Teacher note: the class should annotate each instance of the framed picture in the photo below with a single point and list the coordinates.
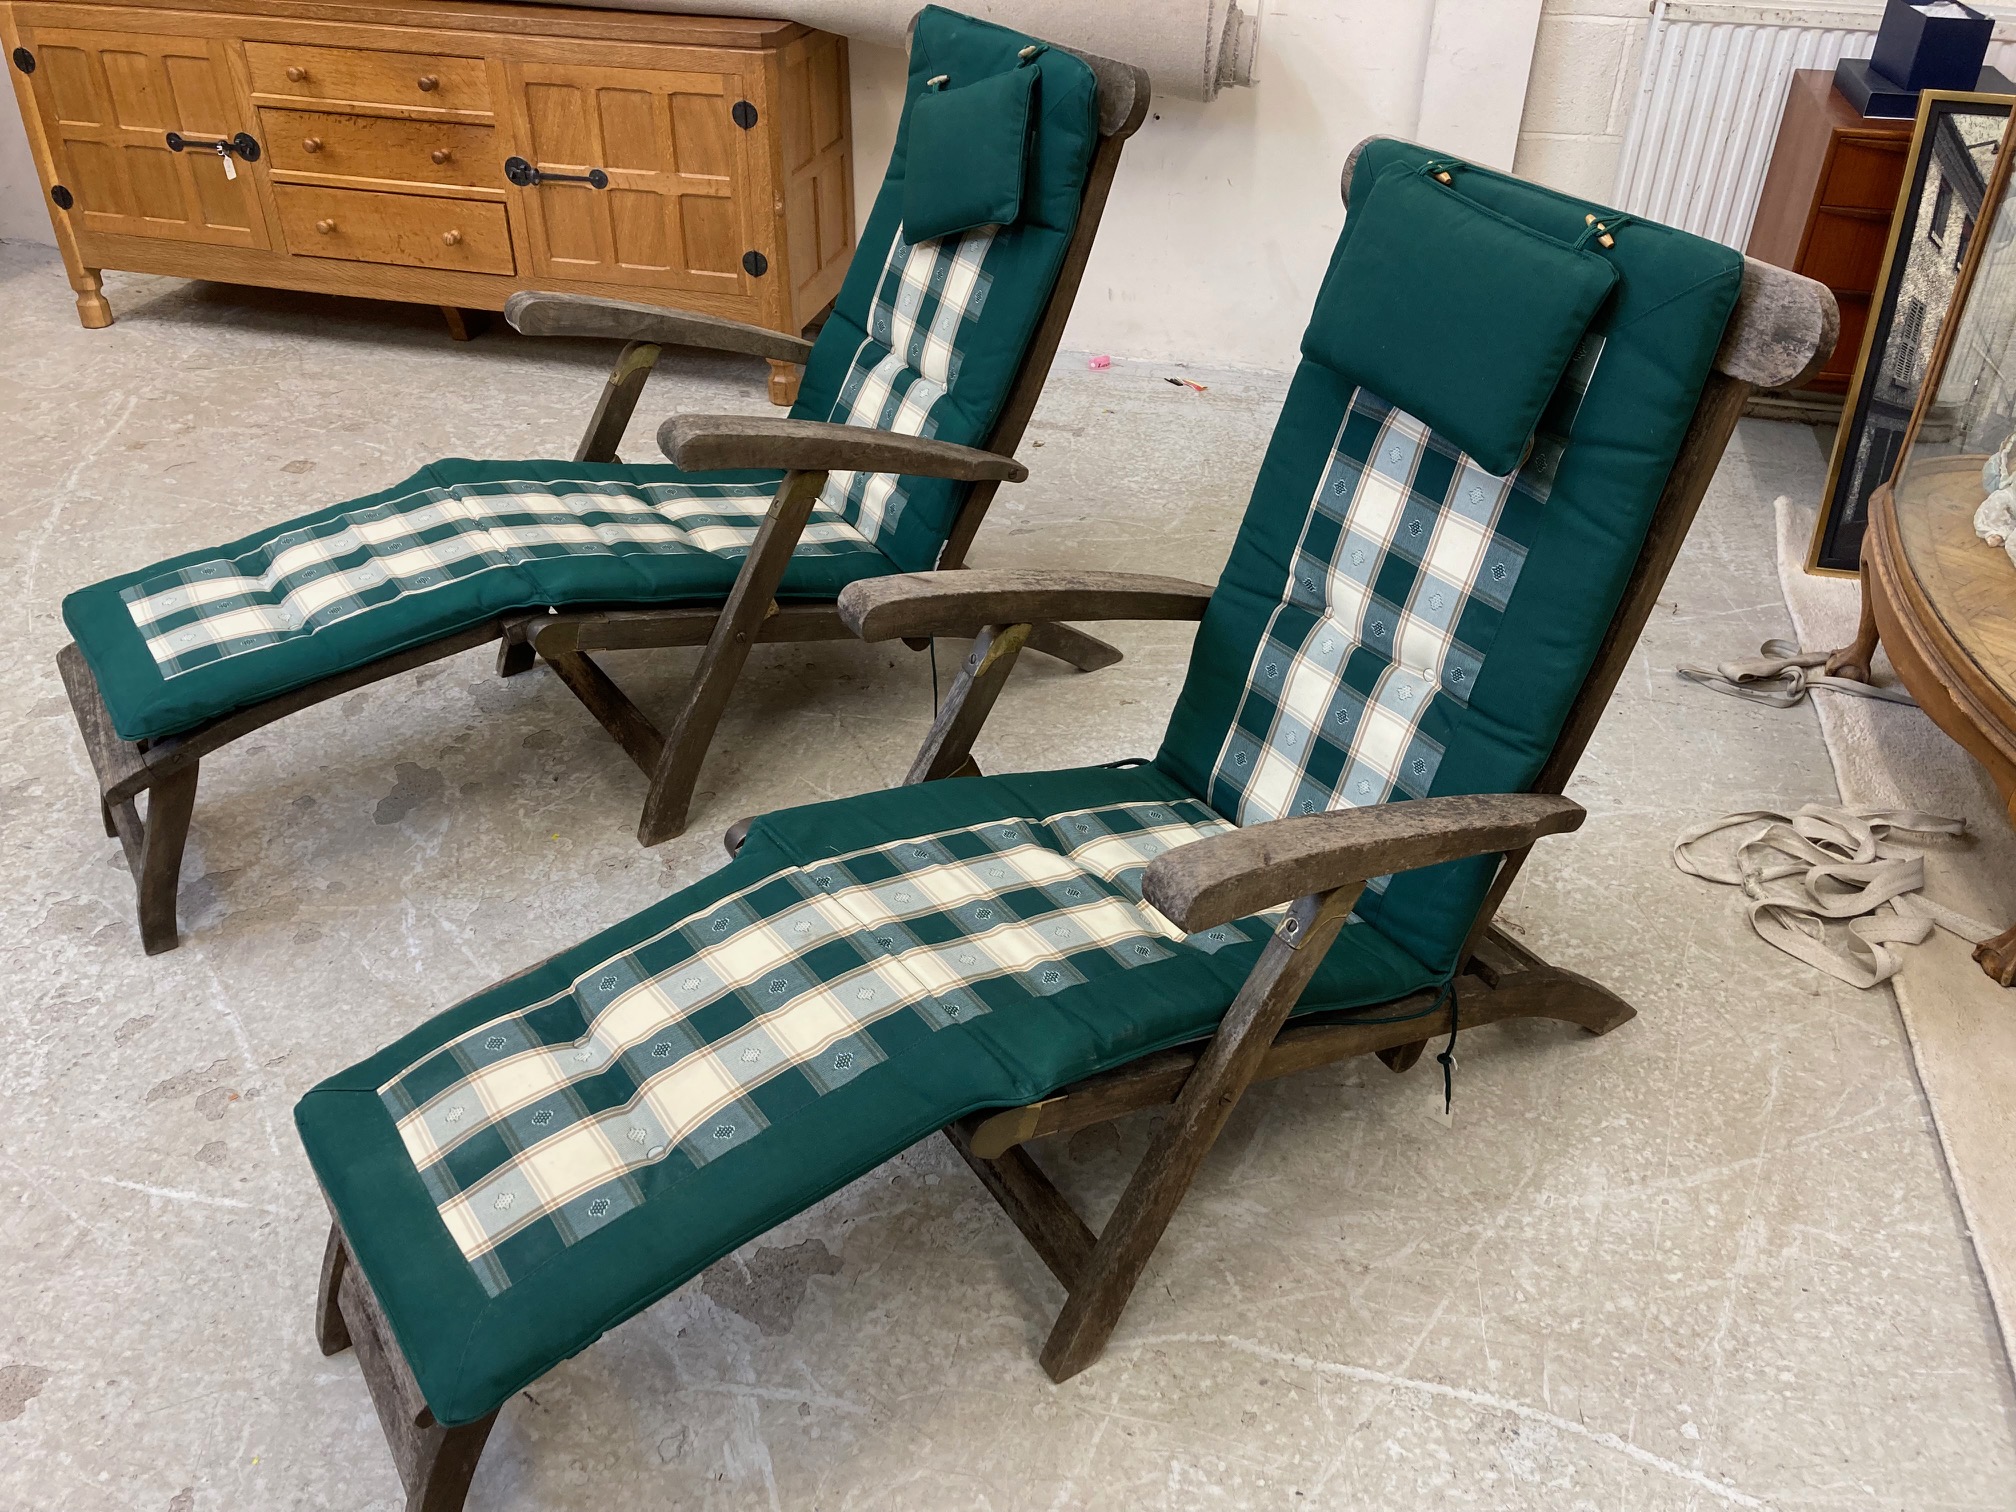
(1952, 157)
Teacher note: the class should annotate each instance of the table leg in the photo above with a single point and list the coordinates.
(1852, 660)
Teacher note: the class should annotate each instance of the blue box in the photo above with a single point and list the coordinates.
(1916, 51)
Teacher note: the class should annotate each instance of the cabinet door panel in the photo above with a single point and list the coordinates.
(676, 211)
(818, 172)
(108, 101)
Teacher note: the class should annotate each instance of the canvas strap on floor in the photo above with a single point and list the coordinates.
(1780, 674)
(1827, 885)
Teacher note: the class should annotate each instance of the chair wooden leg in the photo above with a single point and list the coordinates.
(948, 750)
(435, 1463)
(1525, 986)
(1186, 1135)
(332, 1334)
(514, 657)
(1200, 1087)
(750, 602)
(1067, 643)
(169, 805)
(618, 402)
(1402, 1057)
(1050, 1224)
(611, 707)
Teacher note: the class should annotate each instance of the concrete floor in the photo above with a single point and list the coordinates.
(1711, 1260)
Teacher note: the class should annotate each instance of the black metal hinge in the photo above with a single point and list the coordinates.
(24, 60)
(755, 264)
(63, 197)
(743, 114)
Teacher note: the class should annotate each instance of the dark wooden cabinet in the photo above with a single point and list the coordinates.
(1827, 204)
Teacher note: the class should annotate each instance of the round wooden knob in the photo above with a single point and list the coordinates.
(440, 154)
(428, 83)
(311, 144)
(451, 238)
(296, 75)
(325, 226)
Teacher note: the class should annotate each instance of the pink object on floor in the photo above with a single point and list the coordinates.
(1101, 361)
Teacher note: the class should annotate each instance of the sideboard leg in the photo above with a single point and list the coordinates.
(784, 378)
(1852, 660)
(463, 325)
(94, 311)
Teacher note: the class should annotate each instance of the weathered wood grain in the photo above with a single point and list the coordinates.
(711, 443)
(1246, 871)
(538, 312)
(959, 603)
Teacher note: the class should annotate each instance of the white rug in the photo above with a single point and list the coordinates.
(1962, 1026)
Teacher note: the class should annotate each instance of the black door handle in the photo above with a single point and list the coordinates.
(524, 175)
(242, 144)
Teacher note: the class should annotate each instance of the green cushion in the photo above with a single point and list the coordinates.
(1455, 312)
(926, 337)
(1461, 611)
(456, 544)
(513, 1185)
(968, 144)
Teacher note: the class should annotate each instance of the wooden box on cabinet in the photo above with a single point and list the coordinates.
(443, 153)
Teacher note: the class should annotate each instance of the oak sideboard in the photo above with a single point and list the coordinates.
(443, 153)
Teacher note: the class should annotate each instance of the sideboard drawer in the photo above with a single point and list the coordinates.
(410, 230)
(383, 147)
(354, 76)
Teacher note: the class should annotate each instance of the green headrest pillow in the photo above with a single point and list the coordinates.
(968, 146)
(1459, 315)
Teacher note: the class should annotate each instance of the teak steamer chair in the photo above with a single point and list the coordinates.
(152, 743)
(535, 1165)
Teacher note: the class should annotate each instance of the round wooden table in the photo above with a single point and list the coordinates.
(1943, 603)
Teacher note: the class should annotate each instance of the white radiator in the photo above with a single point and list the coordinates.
(1710, 94)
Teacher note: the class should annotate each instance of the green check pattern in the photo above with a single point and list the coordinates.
(930, 294)
(539, 1127)
(1408, 556)
(305, 578)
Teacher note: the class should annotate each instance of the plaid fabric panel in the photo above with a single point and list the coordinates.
(541, 1126)
(930, 293)
(308, 578)
(1409, 554)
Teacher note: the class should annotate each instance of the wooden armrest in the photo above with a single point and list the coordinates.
(537, 313)
(1229, 876)
(709, 443)
(959, 603)
(1782, 330)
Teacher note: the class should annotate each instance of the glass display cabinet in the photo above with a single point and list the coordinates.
(1939, 556)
